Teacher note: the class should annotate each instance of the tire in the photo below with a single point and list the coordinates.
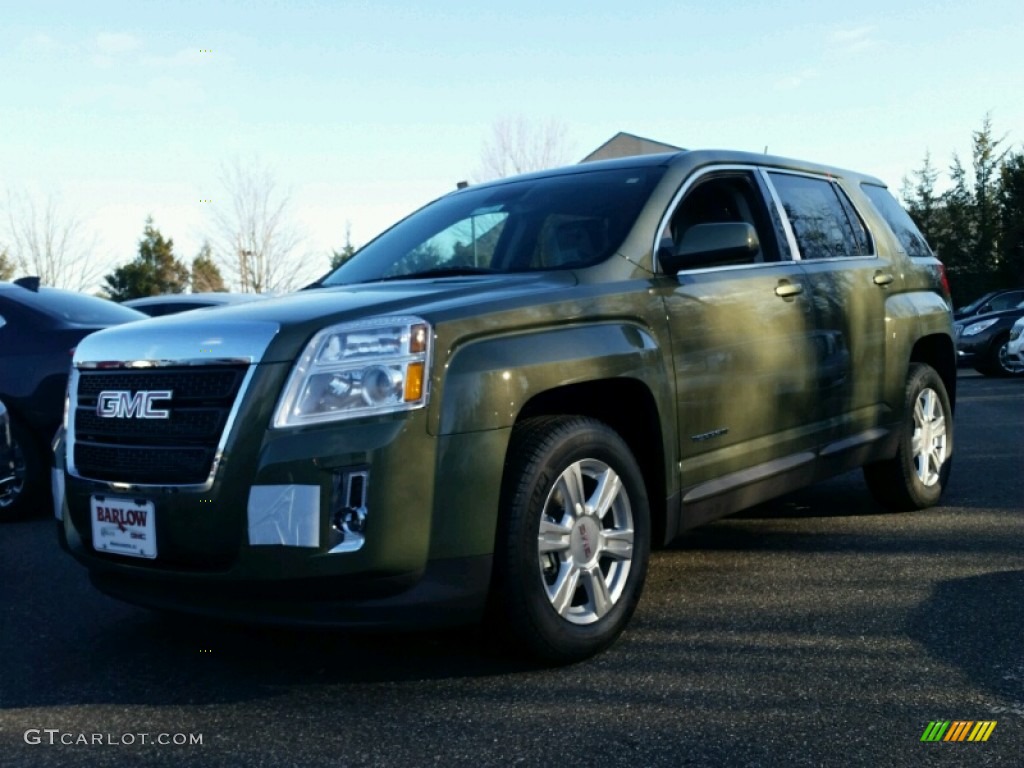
(995, 361)
(919, 472)
(23, 496)
(1004, 364)
(573, 540)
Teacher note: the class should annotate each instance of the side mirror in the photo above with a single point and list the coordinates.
(711, 244)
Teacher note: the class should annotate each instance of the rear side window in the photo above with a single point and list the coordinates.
(1010, 300)
(899, 220)
(824, 222)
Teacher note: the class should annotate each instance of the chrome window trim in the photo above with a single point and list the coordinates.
(734, 267)
(678, 196)
(780, 210)
(127, 487)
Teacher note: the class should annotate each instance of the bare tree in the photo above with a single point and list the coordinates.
(46, 241)
(255, 238)
(518, 145)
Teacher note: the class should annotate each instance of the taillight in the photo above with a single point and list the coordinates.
(944, 279)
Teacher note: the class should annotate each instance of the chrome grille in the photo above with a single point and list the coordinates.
(178, 450)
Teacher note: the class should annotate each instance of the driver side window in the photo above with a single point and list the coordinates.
(720, 199)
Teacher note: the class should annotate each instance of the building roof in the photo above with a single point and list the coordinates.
(624, 144)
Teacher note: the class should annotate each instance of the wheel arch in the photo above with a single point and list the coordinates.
(639, 426)
(938, 351)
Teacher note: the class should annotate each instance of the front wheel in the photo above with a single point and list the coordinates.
(917, 475)
(996, 361)
(24, 493)
(1007, 365)
(574, 538)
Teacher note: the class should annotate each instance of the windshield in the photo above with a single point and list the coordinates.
(553, 222)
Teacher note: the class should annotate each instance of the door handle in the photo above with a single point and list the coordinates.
(787, 290)
(883, 278)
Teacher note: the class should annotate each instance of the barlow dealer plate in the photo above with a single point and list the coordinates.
(123, 526)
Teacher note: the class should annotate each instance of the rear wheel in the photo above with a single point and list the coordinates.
(917, 475)
(573, 545)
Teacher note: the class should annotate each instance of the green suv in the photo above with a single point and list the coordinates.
(495, 409)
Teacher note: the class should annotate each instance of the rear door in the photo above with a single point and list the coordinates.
(848, 285)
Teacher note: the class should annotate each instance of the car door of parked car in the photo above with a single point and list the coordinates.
(849, 283)
(743, 341)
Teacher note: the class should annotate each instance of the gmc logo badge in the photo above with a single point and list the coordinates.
(121, 404)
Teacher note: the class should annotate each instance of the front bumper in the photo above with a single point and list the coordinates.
(448, 593)
(971, 348)
(214, 555)
(1015, 350)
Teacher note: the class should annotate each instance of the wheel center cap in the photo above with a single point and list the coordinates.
(584, 540)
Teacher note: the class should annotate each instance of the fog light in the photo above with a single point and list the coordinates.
(348, 505)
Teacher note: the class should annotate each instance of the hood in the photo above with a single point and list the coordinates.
(275, 330)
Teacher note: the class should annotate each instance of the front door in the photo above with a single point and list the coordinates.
(743, 344)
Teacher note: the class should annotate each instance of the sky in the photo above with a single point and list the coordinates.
(364, 111)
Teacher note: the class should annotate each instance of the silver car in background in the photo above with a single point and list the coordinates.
(1015, 346)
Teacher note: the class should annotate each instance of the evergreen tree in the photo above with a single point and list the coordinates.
(155, 269)
(347, 251)
(205, 274)
(1011, 221)
(6, 265)
(987, 160)
(956, 229)
(923, 204)
(977, 226)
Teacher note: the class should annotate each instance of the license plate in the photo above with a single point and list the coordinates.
(123, 526)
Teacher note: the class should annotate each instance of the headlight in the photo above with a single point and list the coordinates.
(379, 365)
(1018, 330)
(975, 328)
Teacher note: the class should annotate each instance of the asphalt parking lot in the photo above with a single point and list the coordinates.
(814, 630)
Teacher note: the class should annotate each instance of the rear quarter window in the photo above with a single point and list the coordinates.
(899, 221)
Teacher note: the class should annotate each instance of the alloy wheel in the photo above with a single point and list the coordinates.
(585, 541)
(929, 442)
